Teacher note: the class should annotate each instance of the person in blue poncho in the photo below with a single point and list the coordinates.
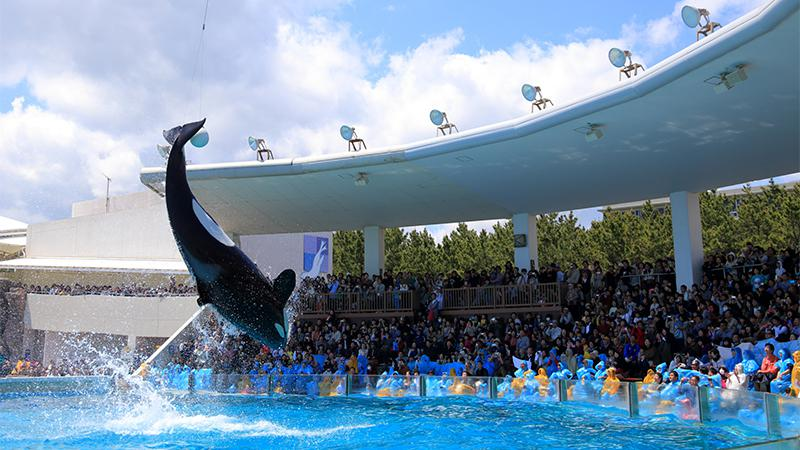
(551, 362)
(600, 370)
(735, 359)
(587, 371)
(783, 380)
(661, 369)
(750, 366)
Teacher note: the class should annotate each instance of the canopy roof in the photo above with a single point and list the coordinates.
(666, 130)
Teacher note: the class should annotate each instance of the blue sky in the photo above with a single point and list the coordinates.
(400, 26)
(95, 86)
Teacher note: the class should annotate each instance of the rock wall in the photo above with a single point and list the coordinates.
(12, 314)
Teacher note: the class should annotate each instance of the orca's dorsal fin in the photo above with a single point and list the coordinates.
(284, 286)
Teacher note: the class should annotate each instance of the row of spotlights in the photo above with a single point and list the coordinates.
(692, 17)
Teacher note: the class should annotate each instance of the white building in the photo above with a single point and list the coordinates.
(124, 240)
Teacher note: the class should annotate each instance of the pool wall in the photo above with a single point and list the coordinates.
(770, 415)
(773, 417)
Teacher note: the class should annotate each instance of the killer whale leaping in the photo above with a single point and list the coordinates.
(225, 276)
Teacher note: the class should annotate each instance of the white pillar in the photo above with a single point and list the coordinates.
(687, 236)
(374, 257)
(525, 225)
(131, 343)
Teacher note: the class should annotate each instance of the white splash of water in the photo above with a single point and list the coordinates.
(156, 422)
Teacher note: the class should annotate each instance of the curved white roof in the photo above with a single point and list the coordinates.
(8, 224)
(665, 131)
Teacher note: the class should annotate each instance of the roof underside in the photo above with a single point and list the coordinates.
(665, 131)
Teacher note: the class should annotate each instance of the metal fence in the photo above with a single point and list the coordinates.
(496, 298)
(358, 302)
(503, 297)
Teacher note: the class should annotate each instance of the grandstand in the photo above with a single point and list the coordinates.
(667, 133)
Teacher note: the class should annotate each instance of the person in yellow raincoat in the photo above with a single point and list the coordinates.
(460, 387)
(796, 374)
(543, 381)
(611, 383)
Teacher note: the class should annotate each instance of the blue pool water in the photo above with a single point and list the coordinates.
(156, 419)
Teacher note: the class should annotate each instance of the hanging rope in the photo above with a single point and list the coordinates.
(198, 67)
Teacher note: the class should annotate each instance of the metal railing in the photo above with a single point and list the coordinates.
(503, 297)
(358, 302)
(547, 295)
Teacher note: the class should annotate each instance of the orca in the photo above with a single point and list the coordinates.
(226, 278)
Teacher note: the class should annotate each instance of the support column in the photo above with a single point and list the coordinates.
(374, 256)
(131, 343)
(687, 237)
(525, 225)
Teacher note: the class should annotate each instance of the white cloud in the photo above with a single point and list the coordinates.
(109, 79)
(49, 160)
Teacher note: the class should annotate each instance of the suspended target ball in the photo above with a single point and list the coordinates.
(200, 139)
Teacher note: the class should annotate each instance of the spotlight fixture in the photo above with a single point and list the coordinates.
(692, 16)
(260, 147)
(533, 94)
(728, 79)
(591, 132)
(353, 142)
(622, 59)
(442, 124)
(362, 179)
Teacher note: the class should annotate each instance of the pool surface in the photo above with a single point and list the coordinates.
(160, 419)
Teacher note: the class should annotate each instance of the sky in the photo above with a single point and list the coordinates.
(86, 87)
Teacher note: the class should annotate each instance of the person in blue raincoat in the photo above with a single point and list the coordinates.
(783, 380)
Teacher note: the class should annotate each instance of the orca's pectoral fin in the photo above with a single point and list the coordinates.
(284, 286)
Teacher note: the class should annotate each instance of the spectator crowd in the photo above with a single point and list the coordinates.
(631, 316)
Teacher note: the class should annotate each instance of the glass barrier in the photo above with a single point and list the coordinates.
(738, 407)
(447, 385)
(394, 385)
(668, 399)
(612, 394)
(756, 412)
(313, 385)
(531, 388)
(789, 409)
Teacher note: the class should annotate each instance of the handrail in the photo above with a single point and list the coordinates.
(466, 298)
(498, 297)
(357, 302)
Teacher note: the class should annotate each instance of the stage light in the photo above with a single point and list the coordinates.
(354, 144)
(442, 124)
(260, 147)
(362, 179)
(728, 79)
(591, 132)
(622, 59)
(692, 18)
(533, 94)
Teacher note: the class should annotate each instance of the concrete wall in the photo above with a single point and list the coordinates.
(137, 200)
(128, 316)
(141, 233)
